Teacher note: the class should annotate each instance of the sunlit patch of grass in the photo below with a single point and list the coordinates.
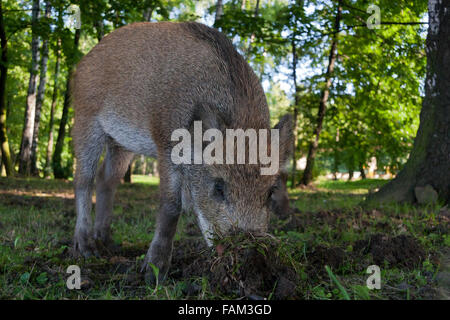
(150, 180)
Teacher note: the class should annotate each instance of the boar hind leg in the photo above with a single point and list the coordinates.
(112, 170)
(88, 149)
(160, 252)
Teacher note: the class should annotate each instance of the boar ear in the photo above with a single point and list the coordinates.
(285, 127)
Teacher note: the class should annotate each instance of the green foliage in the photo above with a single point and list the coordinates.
(375, 97)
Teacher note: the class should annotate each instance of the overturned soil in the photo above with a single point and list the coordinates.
(399, 251)
(247, 267)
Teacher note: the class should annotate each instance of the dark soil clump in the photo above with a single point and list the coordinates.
(321, 256)
(400, 251)
(243, 266)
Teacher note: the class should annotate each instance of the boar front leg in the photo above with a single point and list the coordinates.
(160, 252)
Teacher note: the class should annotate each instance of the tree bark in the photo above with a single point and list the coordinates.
(47, 170)
(148, 11)
(295, 116)
(429, 161)
(219, 12)
(99, 26)
(40, 97)
(144, 165)
(362, 172)
(308, 173)
(127, 177)
(58, 169)
(4, 145)
(252, 37)
(30, 108)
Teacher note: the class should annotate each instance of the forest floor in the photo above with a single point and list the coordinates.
(321, 251)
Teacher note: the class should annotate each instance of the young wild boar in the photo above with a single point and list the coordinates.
(130, 93)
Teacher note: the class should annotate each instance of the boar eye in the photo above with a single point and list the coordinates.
(271, 192)
(219, 189)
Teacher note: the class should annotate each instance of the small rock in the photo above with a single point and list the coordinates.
(285, 288)
(426, 195)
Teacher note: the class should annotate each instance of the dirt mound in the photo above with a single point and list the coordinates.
(321, 256)
(401, 251)
(243, 266)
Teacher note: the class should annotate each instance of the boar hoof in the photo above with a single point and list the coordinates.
(83, 245)
(153, 267)
(104, 244)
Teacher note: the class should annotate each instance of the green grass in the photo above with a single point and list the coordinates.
(37, 219)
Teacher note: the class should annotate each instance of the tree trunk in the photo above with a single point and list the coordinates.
(296, 103)
(30, 108)
(40, 98)
(58, 169)
(429, 161)
(252, 37)
(362, 172)
(219, 12)
(144, 165)
(4, 145)
(48, 159)
(350, 175)
(308, 173)
(100, 29)
(148, 11)
(127, 177)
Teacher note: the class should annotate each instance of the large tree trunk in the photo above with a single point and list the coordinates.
(429, 161)
(30, 108)
(57, 165)
(40, 97)
(308, 173)
(4, 146)
(48, 159)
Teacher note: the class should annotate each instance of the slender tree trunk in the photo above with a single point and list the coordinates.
(219, 12)
(252, 37)
(148, 11)
(350, 175)
(4, 145)
(429, 161)
(100, 29)
(40, 97)
(30, 108)
(296, 103)
(127, 177)
(362, 172)
(144, 165)
(58, 169)
(308, 173)
(48, 159)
